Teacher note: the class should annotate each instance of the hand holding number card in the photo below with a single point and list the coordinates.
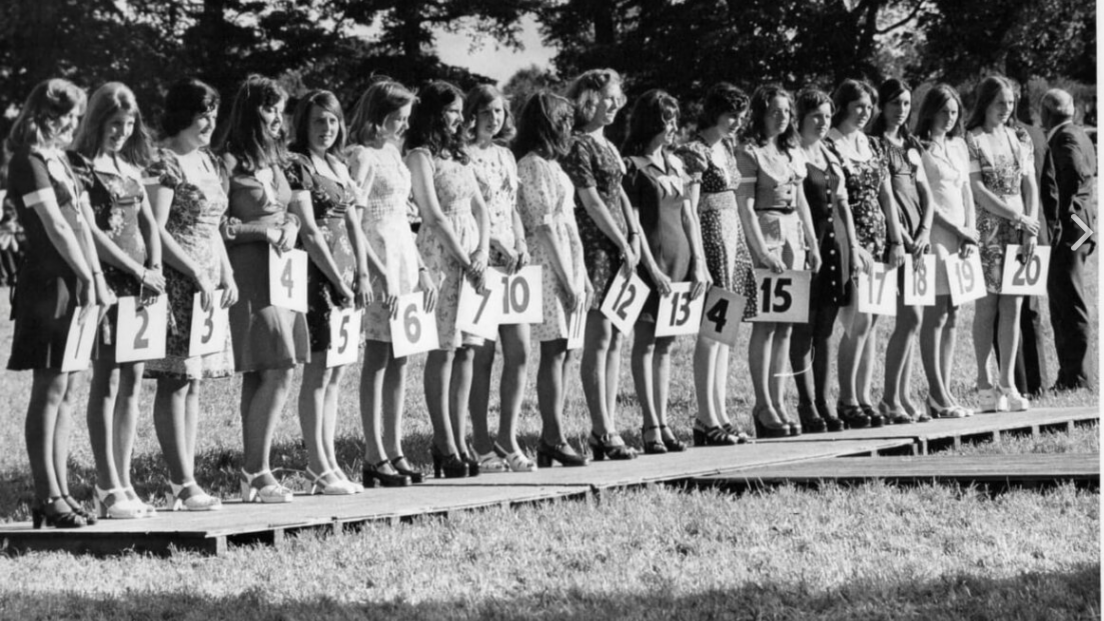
(877, 290)
(920, 280)
(965, 278)
(142, 330)
(625, 300)
(1025, 277)
(522, 300)
(479, 311)
(576, 321)
(413, 330)
(344, 336)
(784, 297)
(79, 341)
(721, 316)
(678, 314)
(287, 279)
(209, 328)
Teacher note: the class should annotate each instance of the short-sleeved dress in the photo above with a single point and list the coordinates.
(386, 229)
(595, 163)
(773, 179)
(497, 174)
(823, 187)
(658, 195)
(44, 297)
(198, 208)
(863, 180)
(456, 186)
(330, 200)
(1002, 158)
(726, 251)
(947, 168)
(115, 199)
(905, 167)
(265, 337)
(545, 201)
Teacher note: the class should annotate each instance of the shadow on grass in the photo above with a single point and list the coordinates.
(1071, 594)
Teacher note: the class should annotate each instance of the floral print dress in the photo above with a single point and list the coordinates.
(863, 180)
(497, 174)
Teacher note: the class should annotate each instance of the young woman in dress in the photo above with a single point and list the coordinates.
(187, 186)
(545, 202)
(60, 275)
(492, 126)
(1006, 200)
(947, 166)
(782, 238)
(323, 198)
(385, 246)
(269, 341)
(866, 179)
(912, 196)
(454, 242)
(810, 348)
(710, 159)
(611, 242)
(110, 148)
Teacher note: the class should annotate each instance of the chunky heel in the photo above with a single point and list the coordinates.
(403, 468)
(811, 421)
(610, 445)
(563, 453)
(767, 423)
(652, 447)
(852, 416)
(271, 493)
(712, 436)
(450, 466)
(543, 461)
(379, 472)
(113, 503)
(194, 501)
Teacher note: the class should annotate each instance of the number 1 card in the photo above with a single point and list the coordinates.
(1025, 277)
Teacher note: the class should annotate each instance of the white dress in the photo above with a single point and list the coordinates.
(947, 167)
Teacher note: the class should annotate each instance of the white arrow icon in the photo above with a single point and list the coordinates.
(1084, 227)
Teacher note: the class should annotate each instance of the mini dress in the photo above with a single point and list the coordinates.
(773, 179)
(947, 168)
(497, 174)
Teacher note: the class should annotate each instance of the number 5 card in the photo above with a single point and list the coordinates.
(287, 279)
(678, 314)
(413, 330)
(1025, 278)
(965, 278)
(141, 331)
(624, 301)
(344, 336)
(722, 314)
(783, 298)
(479, 311)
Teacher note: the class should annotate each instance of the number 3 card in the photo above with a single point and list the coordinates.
(624, 301)
(965, 278)
(209, 328)
(141, 331)
(1025, 278)
(479, 311)
(678, 314)
(783, 298)
(287, 279)
(877, 290)
(920, 280)
(344, 336)
(413, 330)
(722, 314)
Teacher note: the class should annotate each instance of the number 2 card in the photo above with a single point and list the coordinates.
(1025, 277)
(141, 331)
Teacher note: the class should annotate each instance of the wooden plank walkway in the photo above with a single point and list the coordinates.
(1082, 469)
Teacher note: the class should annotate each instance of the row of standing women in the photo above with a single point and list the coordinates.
(804, 187)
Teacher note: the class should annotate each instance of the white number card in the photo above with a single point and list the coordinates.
(624, 300)
(576, 321)
(965, 278)
(344, 336)
(877, 290)
(1025, 277)
(209, 328)
(920, 280)
(287, 279)
(413, 330)
(479, 311)
(141, 331)
(80, 339)
(522, 299)
(678, 314)
(721, 316)
(783, 298)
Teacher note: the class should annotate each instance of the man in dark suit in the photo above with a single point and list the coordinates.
(1068, 189)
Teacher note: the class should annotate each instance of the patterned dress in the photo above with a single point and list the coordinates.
(330, 200)
(947, 169)
(497, 174)
(726, 250)
(774, 179)
(198, 207)
(545, 202)
(594, 163)
(1002, 158)
(863, 180)
(456, 186)
(387, 229)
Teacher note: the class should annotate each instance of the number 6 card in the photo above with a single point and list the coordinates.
(141, 331)
(965, 278)
(1025, 278)
(678, 314)
(287, 279)
(721, 317)
(920, 280)
(624, 300)
(413, 330)
(479, 311)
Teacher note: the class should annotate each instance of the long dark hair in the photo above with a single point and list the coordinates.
(938, 97)
(300, 140)
(988, 90)
(649, 117)
(108, 100)
(888, 91)
(49, 101)
(245, 136)
(382, 99)
(428, 127)
(187, 98)
(755, 131)
(847, 92)
(544, 126)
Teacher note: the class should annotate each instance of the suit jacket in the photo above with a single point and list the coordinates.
(1068, 184)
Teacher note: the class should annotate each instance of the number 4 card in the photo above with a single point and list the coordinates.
(1025, 277)
(721, 317)
(624, 301)
(678, 314)
(287, 279)
(877, 290)
(141, 330)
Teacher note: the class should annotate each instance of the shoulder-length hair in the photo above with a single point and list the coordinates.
(49, 101)
(938, 96)
(245, 136)
(478, 98)
(888, 91)
(649, 117)
(428, 127)
(187, 98)
(585, 91)
(105, 103)
(382, 99)
(756, 129)
(300, 139)
(544, 126)
(847, 92)
(808, 101)
(988, 90)
(721, 98)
